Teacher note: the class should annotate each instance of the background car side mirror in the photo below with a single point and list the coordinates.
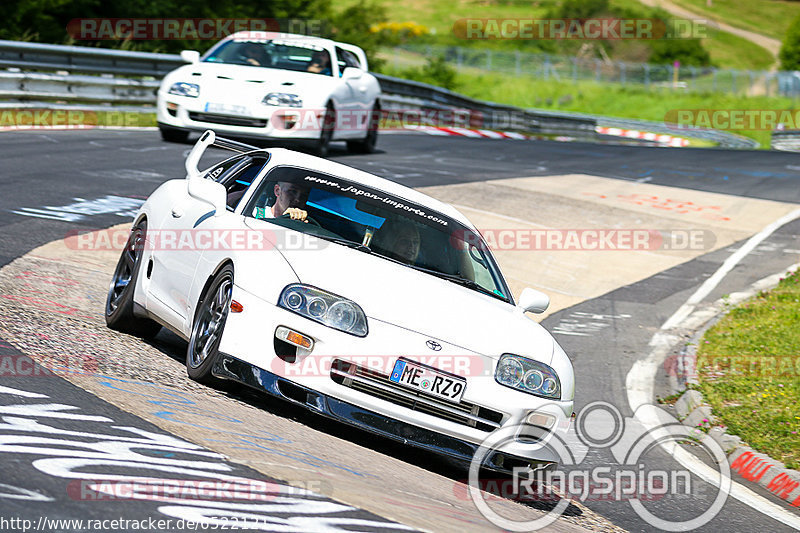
(352, 73)
(533, 301)
(190, 56)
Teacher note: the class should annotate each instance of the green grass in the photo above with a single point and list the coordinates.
(615, 100)
(726, 50)
(731, 51)
(767, 17)
(756, 395)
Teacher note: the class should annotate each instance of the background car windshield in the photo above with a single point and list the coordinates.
(388, 226)
(287, 55)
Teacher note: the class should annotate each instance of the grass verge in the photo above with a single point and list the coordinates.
(767, 17)
(614, 100)
(749, 371)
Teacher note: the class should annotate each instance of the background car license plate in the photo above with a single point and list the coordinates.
(228, 109)
(428, 380)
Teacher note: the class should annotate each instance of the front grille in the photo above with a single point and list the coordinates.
(227, 119)
(378, 385)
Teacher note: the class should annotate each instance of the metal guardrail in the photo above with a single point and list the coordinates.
(786, 140)
(132, 78)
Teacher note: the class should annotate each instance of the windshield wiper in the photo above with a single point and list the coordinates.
(350, 244)
(455, 278)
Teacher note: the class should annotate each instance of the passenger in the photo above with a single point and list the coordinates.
(402, 241)
(255, 55)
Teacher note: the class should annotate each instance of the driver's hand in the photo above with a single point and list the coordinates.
(295, 213)
(253, 61)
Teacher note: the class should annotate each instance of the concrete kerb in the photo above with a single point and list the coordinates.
(692, 410)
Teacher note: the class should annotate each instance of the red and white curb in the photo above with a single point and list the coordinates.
(667, 140)
(474, 133)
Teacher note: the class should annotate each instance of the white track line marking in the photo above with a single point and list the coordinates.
(640, 381)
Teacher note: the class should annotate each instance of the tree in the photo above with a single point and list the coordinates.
(790, 51)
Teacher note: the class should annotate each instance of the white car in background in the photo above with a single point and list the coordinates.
(279, 87)
(384, 309)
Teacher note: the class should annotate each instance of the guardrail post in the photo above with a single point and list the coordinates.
(488, 59)
(646, 75)
(622, 73)
(516, 61)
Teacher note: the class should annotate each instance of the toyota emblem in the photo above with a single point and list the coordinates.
(433, 345)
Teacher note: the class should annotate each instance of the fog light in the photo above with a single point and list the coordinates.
(172, 106)
(293, 337)
(541, 420)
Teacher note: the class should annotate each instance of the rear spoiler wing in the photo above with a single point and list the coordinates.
(209, 138)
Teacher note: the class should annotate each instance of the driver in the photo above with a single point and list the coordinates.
(320, 63)
(290, 198)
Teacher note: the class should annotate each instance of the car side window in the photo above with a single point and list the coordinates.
(346, 59)
(219, 171)
(239, 179)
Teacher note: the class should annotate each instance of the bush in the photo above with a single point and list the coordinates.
(790, 51)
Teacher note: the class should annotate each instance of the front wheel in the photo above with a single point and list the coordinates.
(328, 126)
(119, 302)
(367, 144)
(209, 323)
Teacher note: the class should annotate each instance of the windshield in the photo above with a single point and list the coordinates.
(379, 223)
(282, 54)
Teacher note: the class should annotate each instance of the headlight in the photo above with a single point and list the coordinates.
(283, 100)
(326, 308)
(192, 90)
(528, 376)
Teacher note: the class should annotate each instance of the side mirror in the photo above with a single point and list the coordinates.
(533, 301)
(352, 73)
(208, 191)
(190, 56)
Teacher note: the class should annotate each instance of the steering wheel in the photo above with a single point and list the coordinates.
(308, 219)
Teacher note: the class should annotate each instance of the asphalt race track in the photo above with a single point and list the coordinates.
(606, 309)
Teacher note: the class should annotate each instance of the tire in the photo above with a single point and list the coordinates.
(119, 302)
(174, 136)
(328, 126)
(367, 144)
(209, 323)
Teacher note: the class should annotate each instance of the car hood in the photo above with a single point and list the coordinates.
(219, 79)
(410, 299)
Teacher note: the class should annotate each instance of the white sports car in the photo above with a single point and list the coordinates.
(353, 296)
(274, 86)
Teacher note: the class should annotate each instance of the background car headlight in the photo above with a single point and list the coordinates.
(283, 100)
(326, 308)
(528, 376)
(192, 90)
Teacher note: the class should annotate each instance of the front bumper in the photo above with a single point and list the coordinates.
(231, 368)
(189, 114)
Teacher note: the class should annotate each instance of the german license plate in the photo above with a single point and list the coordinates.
(428, 380)
(227, 109)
